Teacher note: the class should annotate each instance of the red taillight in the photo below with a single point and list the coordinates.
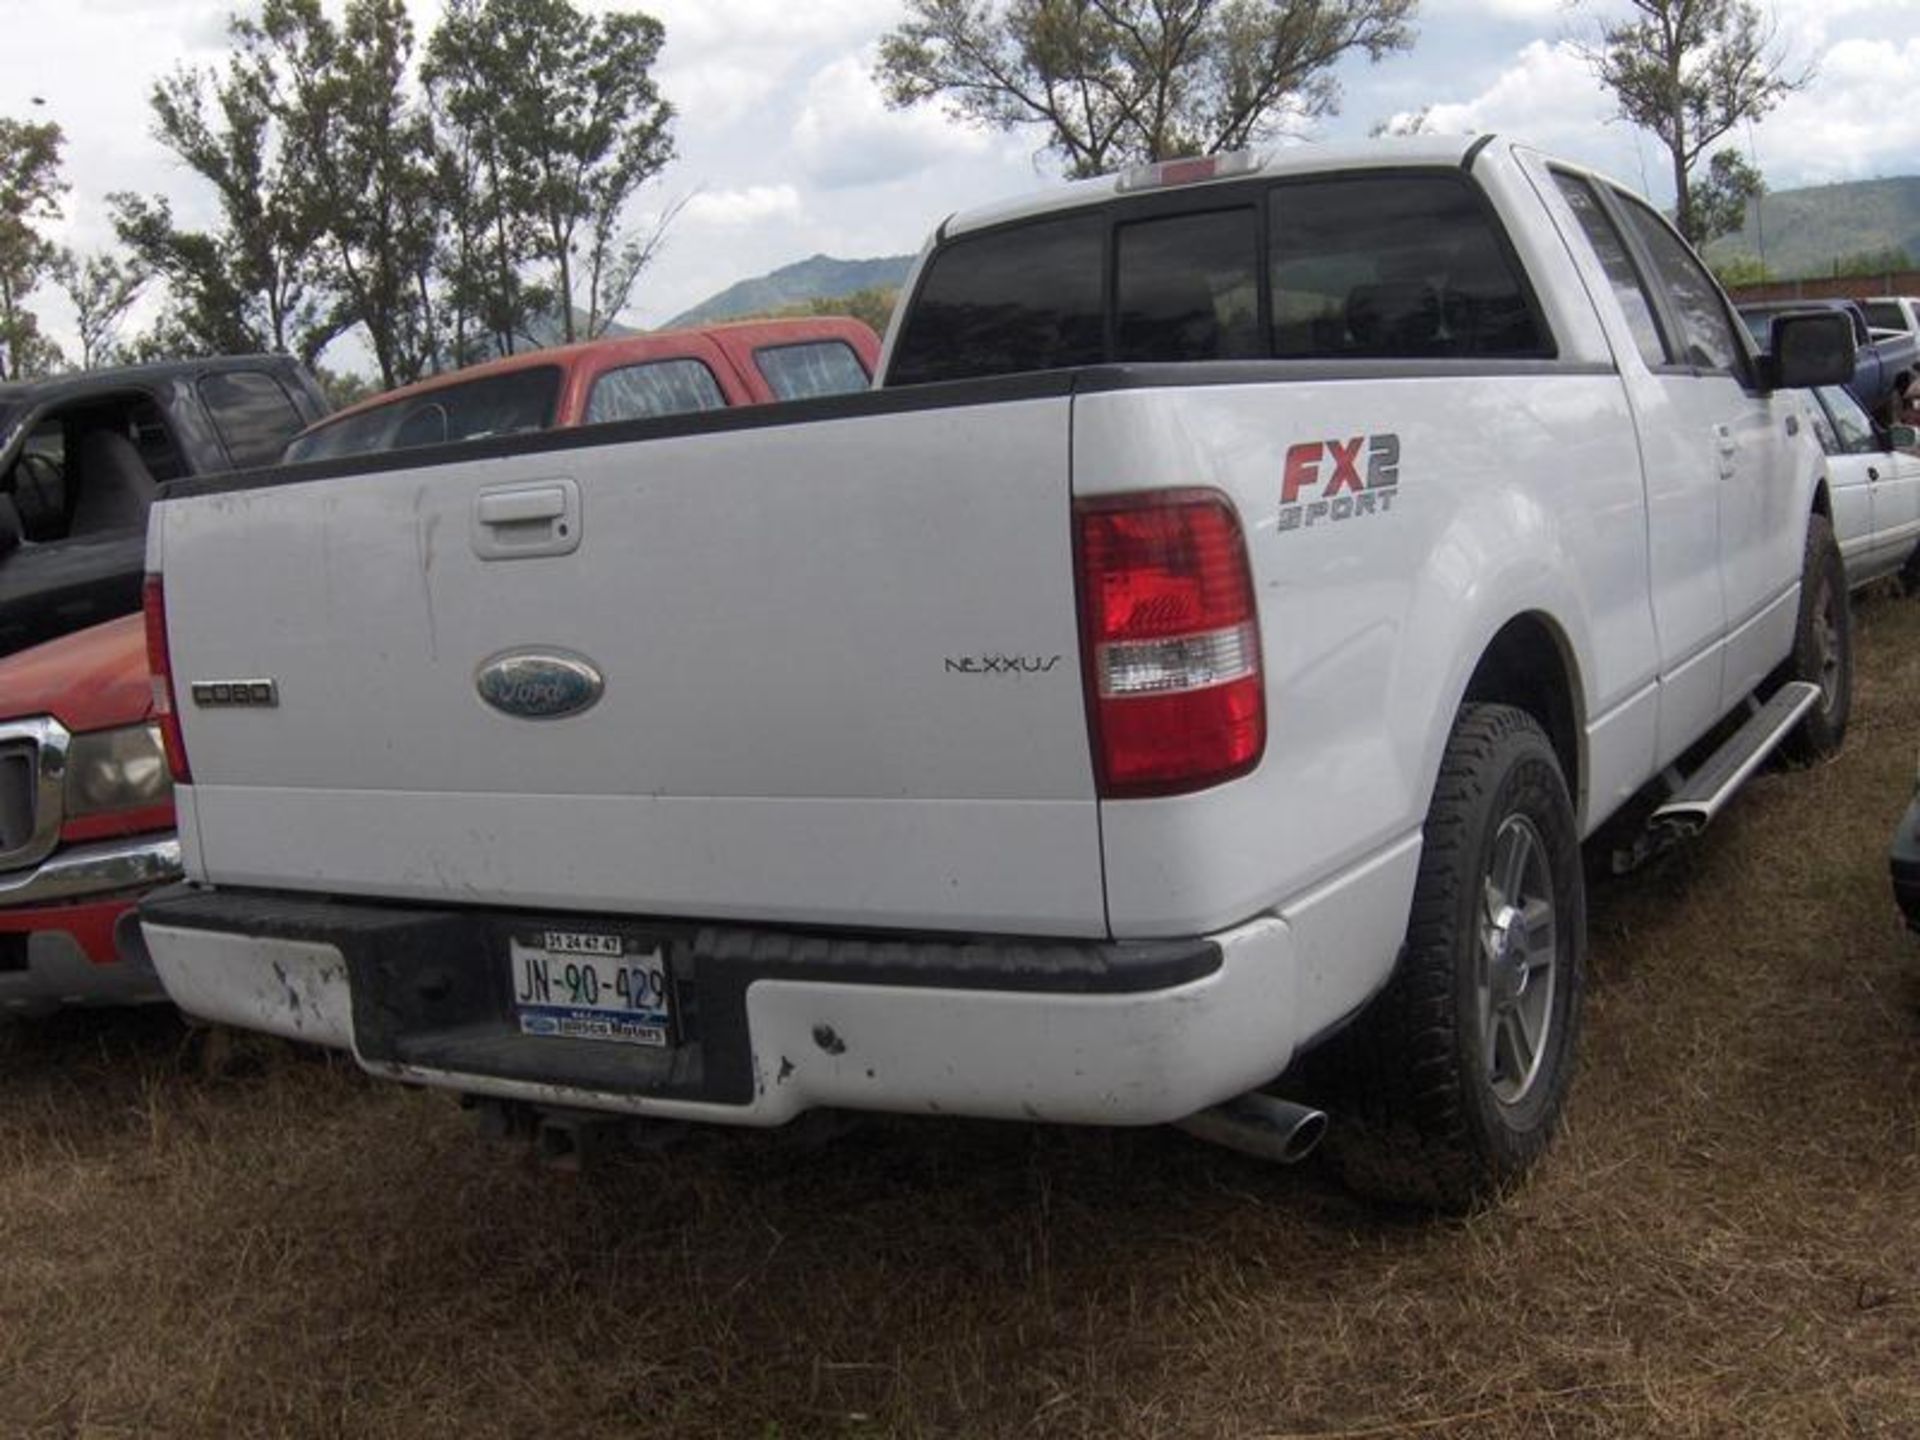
(153, 605)
(1172, 650)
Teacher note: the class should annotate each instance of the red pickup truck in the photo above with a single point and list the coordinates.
(86, 820)
(86, 811)
(638, 377)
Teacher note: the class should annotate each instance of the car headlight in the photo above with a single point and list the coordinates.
(117, 770)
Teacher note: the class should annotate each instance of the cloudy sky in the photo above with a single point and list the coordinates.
(786, 150)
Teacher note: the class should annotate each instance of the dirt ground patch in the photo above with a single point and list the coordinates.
(1726, 1241)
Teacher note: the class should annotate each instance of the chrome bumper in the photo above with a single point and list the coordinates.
(98, 869)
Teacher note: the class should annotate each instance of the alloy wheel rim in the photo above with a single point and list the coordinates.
(1517, 960)
(1826, 640)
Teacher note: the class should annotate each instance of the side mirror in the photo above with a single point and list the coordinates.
(1899, 437)
(1811, 349)
(12, 532)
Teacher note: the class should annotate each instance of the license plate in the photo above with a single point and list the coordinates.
(590, 985)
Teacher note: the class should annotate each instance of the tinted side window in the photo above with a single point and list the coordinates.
(253, 414)
(1885, 315)
(1853, 431)
(506, 404)
(1189, 288)
(1393, 266)
(657, 387)
(800, 372)
(1027, 298)
(1611, 250)
(1708, 330)
(38, 481)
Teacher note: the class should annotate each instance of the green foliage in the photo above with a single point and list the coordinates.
(101, 289)
(874, 306)
(1804, 233)
(338, 97)
(255, 281)
(1886, 260)
(555, 113)
(1739, 270)
(343, 388)
(821, 277)
(1689, 71)
(30, 191)
(1720, 201)
(1113, 82)
(441, 208)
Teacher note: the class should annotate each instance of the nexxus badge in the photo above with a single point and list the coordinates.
(1333, 468)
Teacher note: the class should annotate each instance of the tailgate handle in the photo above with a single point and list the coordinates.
(514, 507)
(525, 519)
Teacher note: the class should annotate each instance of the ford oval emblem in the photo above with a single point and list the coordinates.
(538, 684)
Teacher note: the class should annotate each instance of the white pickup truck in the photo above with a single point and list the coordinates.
(1185, 682)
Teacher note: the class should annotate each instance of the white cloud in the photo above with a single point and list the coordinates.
(1547, 95)
(704, 27)
(847, 136)
(1525, 12)
(737, 209)
(1848, 125)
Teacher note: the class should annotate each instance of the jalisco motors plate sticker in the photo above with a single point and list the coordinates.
(1324, 481)
(589, 985)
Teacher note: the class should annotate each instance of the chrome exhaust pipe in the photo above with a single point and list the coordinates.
(1263, 1126)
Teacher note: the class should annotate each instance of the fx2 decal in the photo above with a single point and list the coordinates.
(1339, 479)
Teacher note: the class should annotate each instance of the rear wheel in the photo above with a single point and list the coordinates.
(1822, 646)
(1454, 1078)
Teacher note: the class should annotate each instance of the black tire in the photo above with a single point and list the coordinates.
(1420, 1117)
(1910, 574)
(1822, 647)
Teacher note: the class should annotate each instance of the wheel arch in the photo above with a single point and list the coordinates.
(1529, 664)
(1822, 502)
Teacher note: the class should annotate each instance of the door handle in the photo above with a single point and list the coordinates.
(519, 507)
(525, 519)
(1872, 473)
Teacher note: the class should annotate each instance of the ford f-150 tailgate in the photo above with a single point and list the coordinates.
(817, 672)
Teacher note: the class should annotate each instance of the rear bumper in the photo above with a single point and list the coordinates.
(1904, 860)
(69, 933)
(772, 1022)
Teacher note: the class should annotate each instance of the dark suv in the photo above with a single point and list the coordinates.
(82, 455)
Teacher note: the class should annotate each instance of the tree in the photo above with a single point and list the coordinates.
(558, 114)
(101, 290)
(1720, 200)
(1690, 71)
(1113, 82)
(338, 95)
(256, 282)
(30, 191)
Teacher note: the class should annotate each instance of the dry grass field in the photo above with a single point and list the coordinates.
(1726, 1242)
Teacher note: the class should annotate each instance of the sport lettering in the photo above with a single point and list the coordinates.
(1324, 480)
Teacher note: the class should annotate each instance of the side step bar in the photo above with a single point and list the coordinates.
(1702, 796)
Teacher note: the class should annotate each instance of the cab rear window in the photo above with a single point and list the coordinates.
(1393, 266)
(1025, 298)
(810, 370)
(654, 388)
(1389, 265)
(509, 404)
